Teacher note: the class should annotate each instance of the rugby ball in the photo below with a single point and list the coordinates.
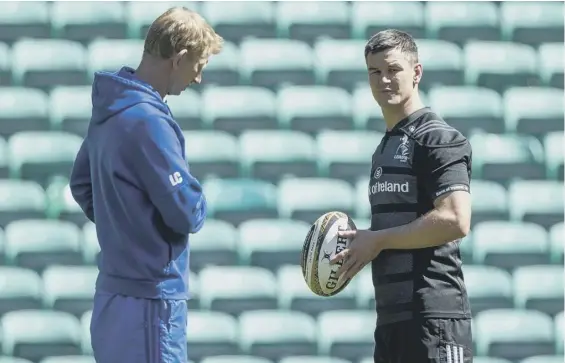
(320, 245)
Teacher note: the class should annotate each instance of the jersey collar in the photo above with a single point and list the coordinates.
(404, 124)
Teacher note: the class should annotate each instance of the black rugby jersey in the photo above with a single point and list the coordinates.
(420, 159)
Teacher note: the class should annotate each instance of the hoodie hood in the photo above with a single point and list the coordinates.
(113, 92)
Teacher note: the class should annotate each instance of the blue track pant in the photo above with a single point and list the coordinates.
(132, 330)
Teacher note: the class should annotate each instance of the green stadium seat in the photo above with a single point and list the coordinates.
(509, 245)
(295, 295)
(85, 341)
(88, 20)
(140, 15)
(341, 63)
(275, 334)
(4, 159)
(238, 200)
(14, 360)
(362, 223)
(21, 200)
(500, 65)
(533, 110)
(194, 302)
(212, 153)
(458, 106)
(186, 109)
(69, 359)
(504, 157)
(222, 69)
(5, 65)
(210, 334)
(271, 243)
(312, 359)
(466, 248)
(70, 109)
(365, 290)
(354, 339)
(537, 201)
(235, 359)
(532, 22)
(307, 199)
(544, 359)
(214, 245)
(460, 22)
(21, 19)
(62, 204)
(367, 18)
(309, 20)
(446, 70)
(235, 289)
(38, 243)
(556, 243)
(40, 155)
(553, 145)
(488, 288)
(362, 205)
(91, 247)
(352, 160)
(539, 288)
(112, 54)
(551, 64)
(36, 334)
(236, 21)
(367, 115)
(558, 330)
(314, 108)
(233, 109)
(69, 288)
(490, 201)
(274, 63)
(273, 155)
(62, 63)
(21, 289)
(367, 360)
(513, 334)
(490, 360)
(23, 109)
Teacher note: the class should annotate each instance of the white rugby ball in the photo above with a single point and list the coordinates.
(321, 244)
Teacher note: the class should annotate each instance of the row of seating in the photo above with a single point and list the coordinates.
(524, 22)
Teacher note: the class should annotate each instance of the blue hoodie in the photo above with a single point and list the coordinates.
(131, 179)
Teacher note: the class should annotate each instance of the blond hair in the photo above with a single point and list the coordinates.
(181, 28)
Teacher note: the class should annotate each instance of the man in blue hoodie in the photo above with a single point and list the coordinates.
(131, 179)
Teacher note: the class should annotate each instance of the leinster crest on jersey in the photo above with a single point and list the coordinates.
(403, 150)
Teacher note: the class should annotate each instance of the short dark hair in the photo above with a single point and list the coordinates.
(392, 39)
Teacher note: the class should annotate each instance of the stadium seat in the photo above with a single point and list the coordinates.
(194, 302)
(69, 359)
(446, 70)
(70, 109)
(274, 334)
(40, 155)
(460, 22)
(212, 154)
(112, 54)
(312, 359)
(235, 289)
(352, 160)
(362, 203)
(87, 21)
(13, 360)
(23, 109)
(313, 109)
(21, 200)
(295, 295)
(307, 199)
(271, 243)
(532, 22)
(490, 201)
(500, 65)
(223, 68)
(510, 244)
(488, 288)
(21, 289)
(539, 288)
(214, 245)
(140, 15)
(236, 21)
(537, 201)
(186, 109)
(513, 334)
(309, 20)
(365, 290)
(62, 63)
(544, 359)
(210, 334)
(354, 339)
(35, 334)
(556, 243)
(490, 360)
(457, 105)
(367, 115)
(69, 288)
(362, 223)
(62, 204)
(558, 330)
(367, 18)
(235, 359)
(5, 65)
(553, 145)
(90, 246)
(233, 109)
(533, 110)
(466, 248)
(273, 155)
(340, 63)
(22, 19)
(4, 159)
(551, 64)
(238, 200)
(504, 157)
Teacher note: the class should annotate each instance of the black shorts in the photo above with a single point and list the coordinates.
(425, 341)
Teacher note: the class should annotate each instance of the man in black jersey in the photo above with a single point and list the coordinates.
(421, 208)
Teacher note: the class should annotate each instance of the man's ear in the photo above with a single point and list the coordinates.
(418, 71)
(178, 58)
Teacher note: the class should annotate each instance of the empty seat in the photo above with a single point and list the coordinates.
(212, 154)
(553, 145)
(234, 359)
(20, 19)
(223, 68)
(22, 109)
(532, 22)
(69, 288)
(62, 63)
(275, 334)
(367, 18)
(490, 360)
(308, 198)
(556, 243)
(365, 290)
(91, 247)
(21, 289)
(490, 201)
(539, 288)
(273, 63)
(112, 54)
(21, 200)
(551, 64)
(312, 359)
(488, 288)
(271, 243)
(273, 155)
(544, 359)
(5, 64)
(533, 110)
(513, 334)
(367, 115)
(5, 359)
(510, 244)
(341, 63)
(500, 65)
(186, 109)
(139, 16)
(537, 201)
(85, 341)
(70, 109)
(215, 244)
(558, 330)
(62, 204)
(446, 70)
(211, 333)
(4, 159)
(314, 108)
(69, 359)
(362, 204)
